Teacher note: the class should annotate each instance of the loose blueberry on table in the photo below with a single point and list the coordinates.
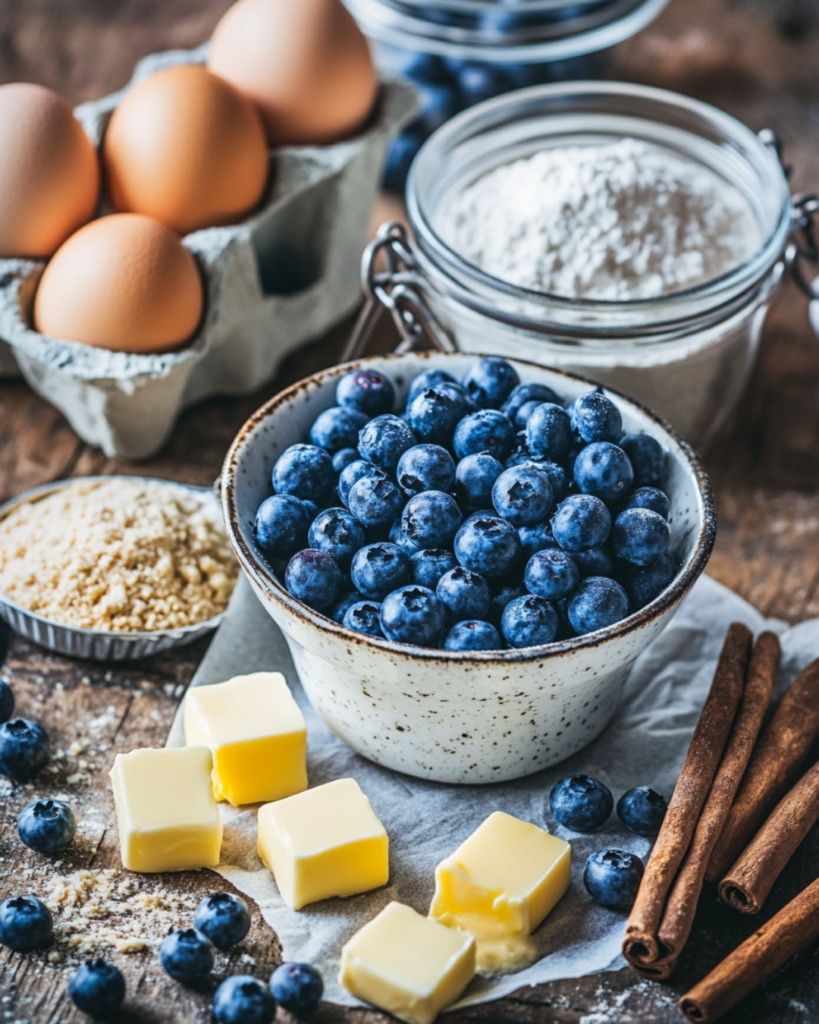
(480, 512)
(25, 923)
(24, 749)
(6, 701)
(223, 918)
(642, 811)
(47, 826)
(98, 989)
(581, 803)
(187, 955)
(297, 987)
(612, 878)
(243, 999)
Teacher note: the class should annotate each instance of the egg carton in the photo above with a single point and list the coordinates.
(274, 282)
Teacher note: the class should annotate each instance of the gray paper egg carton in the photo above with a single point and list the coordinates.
(274, 282)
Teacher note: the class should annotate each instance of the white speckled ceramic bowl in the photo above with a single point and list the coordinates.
(444, 715)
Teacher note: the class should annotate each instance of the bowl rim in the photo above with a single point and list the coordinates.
(262, 576)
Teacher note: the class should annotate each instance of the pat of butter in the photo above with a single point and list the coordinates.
(167, 817)
(256, 733)
(324, 842)
(407, 964)
(499, 885)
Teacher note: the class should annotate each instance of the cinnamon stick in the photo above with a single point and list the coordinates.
(747, 884)
(773, 769)
(640, 945)
(756, 959)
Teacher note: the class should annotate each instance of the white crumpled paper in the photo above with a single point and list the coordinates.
(645, 745)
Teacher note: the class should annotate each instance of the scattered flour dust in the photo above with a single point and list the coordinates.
(614, 221)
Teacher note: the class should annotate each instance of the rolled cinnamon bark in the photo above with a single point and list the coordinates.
(773, 769)
(756, 959)
(747, 884)
(640, 945)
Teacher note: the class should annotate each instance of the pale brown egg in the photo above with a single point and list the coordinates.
(124, 283)
(305, 63)
(49, 171)
(186, 148)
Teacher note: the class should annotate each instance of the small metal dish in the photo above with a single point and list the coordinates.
(100, 645)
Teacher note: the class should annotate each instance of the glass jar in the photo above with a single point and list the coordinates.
(461, 52)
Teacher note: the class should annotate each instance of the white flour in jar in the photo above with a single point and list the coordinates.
(619, 220)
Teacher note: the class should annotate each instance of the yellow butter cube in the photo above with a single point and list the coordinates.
(407, 964)
(325, 842)
(167, 817)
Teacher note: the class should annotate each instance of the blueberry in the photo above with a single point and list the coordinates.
(354, 472)
(486, 430)
(475, 476)
(426, 467)
(490, 382)
(24, 749)
(430, 564)
(537, 537)
(528, 622)
(647, 458)
(478, 82)
(223, 918)
(378, 569)
(487, 545)
(25, 923)
(47, 826)
(6, 700)
(314, 578)
(402, 151)
(338, 533)
(522, 495)
(435, 413)
(243, 999)
(413, 615)
(298, 988)
(581, 522)
(464, 594)
(612, 878)
(281, 525)
(384, 440)
(551, 574)
(337, 428)
(421, 67)
(598, 602)
(604, 470)
(368, 391)
(524, 414)
(640, 536)
(597, 561)
(401, 540)
(363, 617)
(375, 502)
(304, 471)
(431, 519)
(5, 637)
(523, 393)
(338, 610)
(556, 474)
(473, 635)
(187, 955)
(98, 989)
(652, 498)
(428, 379)
(642, 811)
(595, 417)
(549, 432)
(581, 803)
(501, 598)
(644, 583)
(345, 457)
(439, 103)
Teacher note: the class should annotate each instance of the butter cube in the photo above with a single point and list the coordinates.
(407, 964)
(256, 733)
(167, 817)
(324, 842)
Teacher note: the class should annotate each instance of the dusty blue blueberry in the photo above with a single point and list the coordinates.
(642, 811)
(400, 154)
(338, 610)
(522, 394)
(243, 999)
(551, 574)
(363, 618)
(344, 458)
(597, 561)
(487, 545)
(425, 467)
(604, 470)
(428, 379)
(98, 989)
(501, 597)
(431, 519)
(413, 615)
(537, 537)
(597, 603)
(368, 391)
(25, 923)
(384, 440)
(647, 459)
(581, 803)
(479, 82)
(281, 525)
(187, 955)
(644, 583)
(486, 430)
(524, 414)
(475, 476)
(314, 578)
(6, 701)
(47, 826)
(354, 472)
(337, 428)
(464, 594)
(490, 382)
(439, 103)
(595, 417)
(398, 537)
(522, 495)
(338, 533)
(434, 414)
(640, 536)
(374, 501)
(581, 522)
(24, 749)
(529, 622)
(297, 988)
(549, 432)
(430, 564)
(378, 569)
(612, 878)
(473, 635)
(557, 475)
(650, 497)
(303, 470)
(223, 918)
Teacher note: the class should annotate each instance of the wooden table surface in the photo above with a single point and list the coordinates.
(753, 58)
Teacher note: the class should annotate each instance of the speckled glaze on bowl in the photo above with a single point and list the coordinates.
(452, 716)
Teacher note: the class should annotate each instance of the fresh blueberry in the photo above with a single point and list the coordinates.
(487, 545)
(581, 522)
(647, 458)
(47, 826)
(439, 103)
(598, 602)
(374, 501)
(428, 379)
(243, 999)
(478, 82)
(524, 393)
(378, 569)
(524, 414)
(98, 989)
(297, 988)
(604, 470)
(581, 803)
(281, 525)
(644, 583)
(549, 432)
(486, 430)
(430, 564)
(475, 476)
(6, 700)
(557, 475)
(187, 955)
(595, 417)
(344, 458)
(426, 467)
(223, 918)
(384, 440)
(338, 533)
(435, 413)
(431, 519)
(642, 810)
(24, 749)
(464, 594)
(522, 495)
(304, 471)
(402, 151)
(650, 497)
(399, 538)
(551, 574)
(640, 536)
(612, 878)
(363, 618)
(597, 561)
(413, 615)
(473, 635)
(536, 538)
(337, 428)
(354, 472)
(490, 382)
(528, 622)
(419, 66)
(338, 610)
(25, 923)
(314, 578)
(368, 391)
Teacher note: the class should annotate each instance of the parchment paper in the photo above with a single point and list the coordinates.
(644, 745)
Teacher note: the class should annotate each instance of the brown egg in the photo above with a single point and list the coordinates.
(49, 172)
(124, 283)
(305, 63)
(186, 148)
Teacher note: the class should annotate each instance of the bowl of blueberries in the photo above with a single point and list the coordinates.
(464, 555)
